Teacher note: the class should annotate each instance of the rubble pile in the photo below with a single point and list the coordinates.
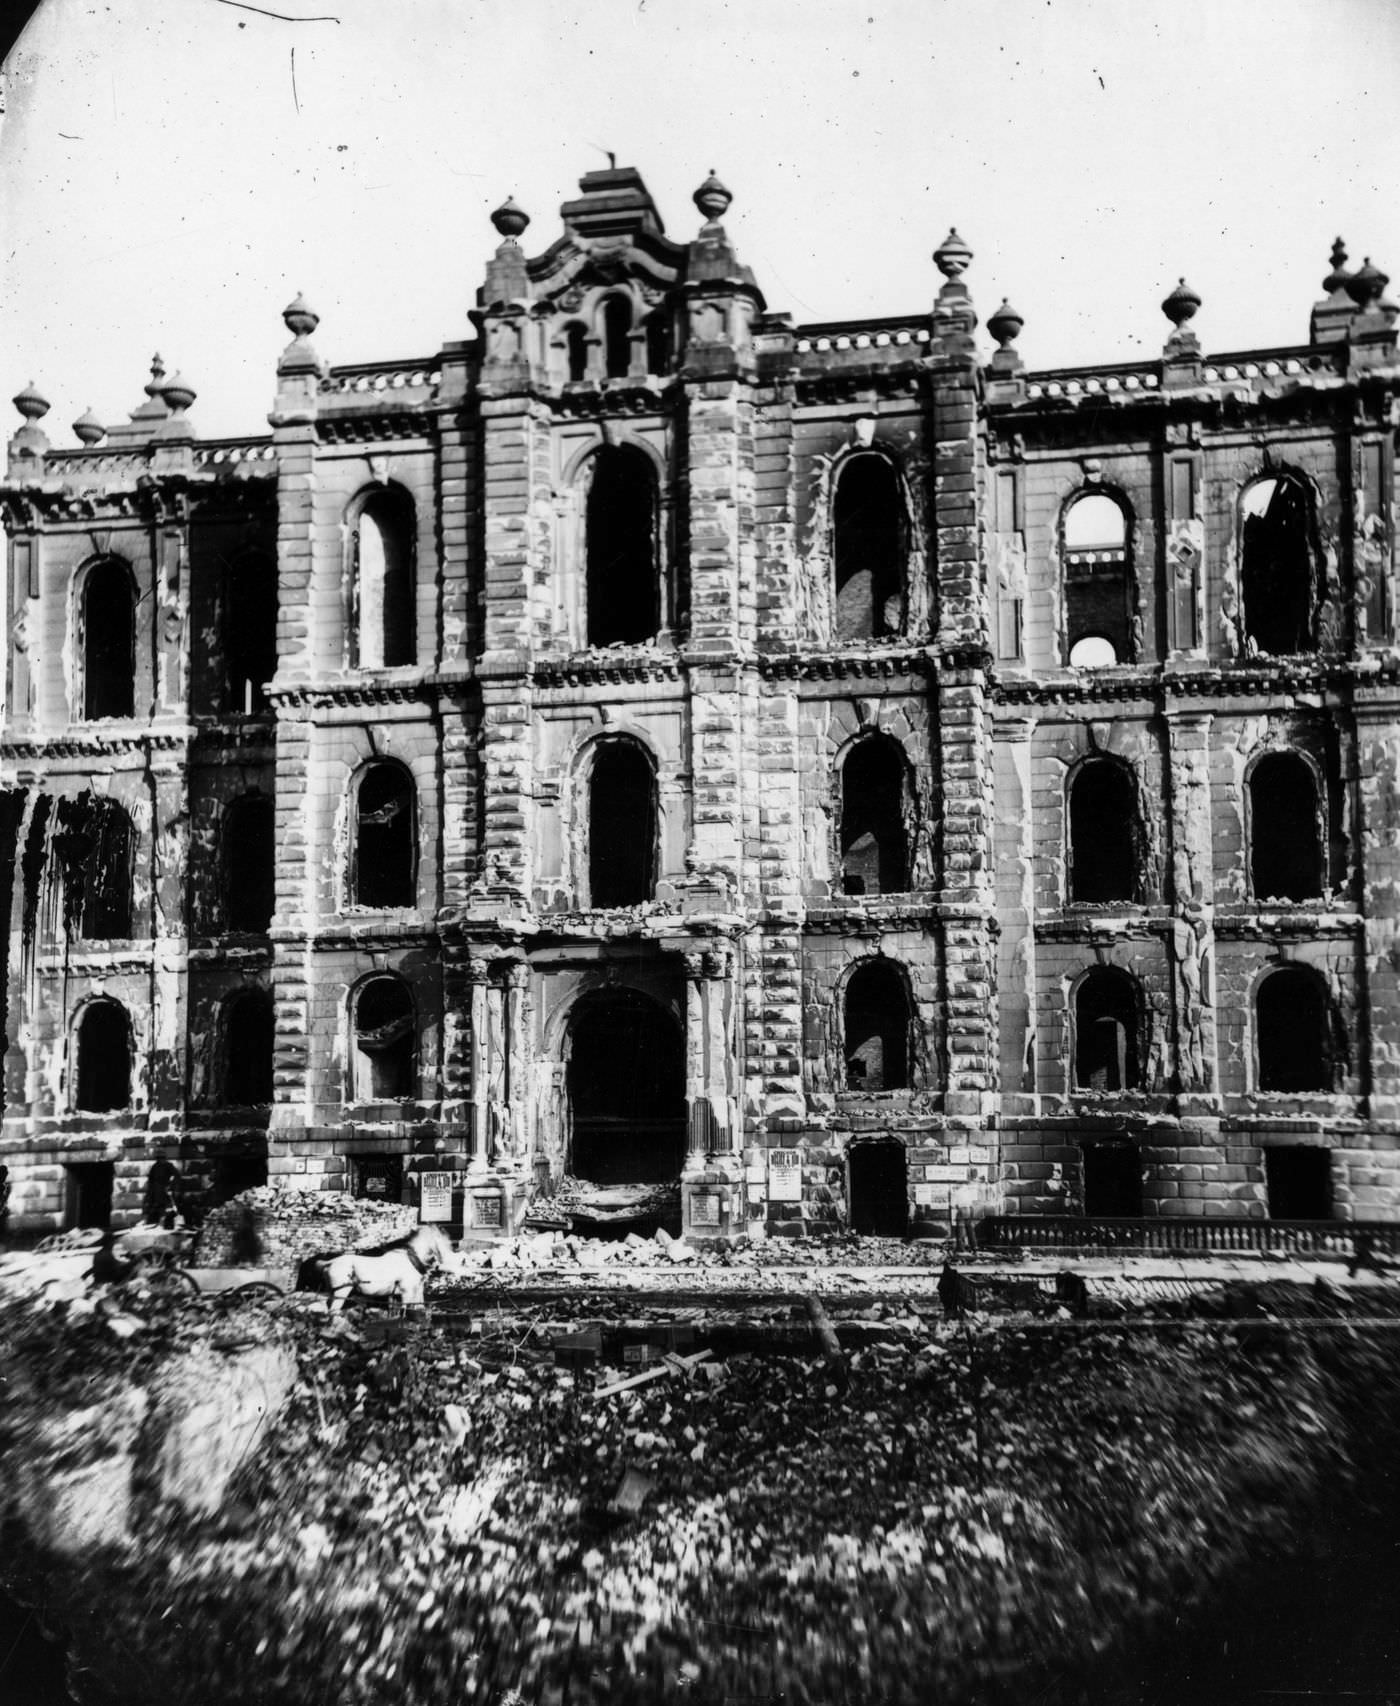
(276, 1228)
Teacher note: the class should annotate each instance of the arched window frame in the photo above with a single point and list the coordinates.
(390, 496)
(112, 817)
(1129, 772)
(1336, 1044)
(353, 903)
(664, 593)
(1135, 1055)
(1296, 476)
(909, 805)
(585, 766)
(248, 995)
(82, 584)
(903, 549)
(614, 340)
(916, 1073)
(1078, 561)
(1320, 810)
(358, 1088)
(77, 1044)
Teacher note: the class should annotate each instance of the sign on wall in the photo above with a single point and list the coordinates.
(785, 1175)
(704, 1209)
(435, 1202)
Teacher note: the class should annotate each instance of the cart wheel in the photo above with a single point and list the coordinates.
(256, 1291)
(163, 1275)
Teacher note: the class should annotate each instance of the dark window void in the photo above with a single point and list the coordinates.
(868, 550)
(1278, 577)
(1298, 1179)
(874, 844)
(384, 1041)
(1112, 1178)
(104, 1058)
(247, 844)
(617, 336)
(621, 826)
(879, 1189)
(626, 1081)
(1293, 1016)
(88, 1193)
(385, 836)
(1106, 1032)
(250, 630)
(658, 329)
(576, 352)
(234, 1174)
(1099, 585)
(877, 1028)
(1285, 848)
(160, 1200)
(622, 566)
(1103, 833)
(95, 845)
(109, 641)
(378, 1177)
(248, 1050)
(386, 614)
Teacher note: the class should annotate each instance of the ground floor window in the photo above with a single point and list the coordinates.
(87, 1199)
(879, 1189)
(1298, 1180)
(379, 1177)
(1112, 1178)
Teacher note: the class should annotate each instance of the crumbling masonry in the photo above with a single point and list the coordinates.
(864, 780)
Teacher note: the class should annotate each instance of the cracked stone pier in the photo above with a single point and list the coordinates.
(793, 777)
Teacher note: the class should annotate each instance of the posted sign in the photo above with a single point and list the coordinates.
(785, 1175)
(435, 1202)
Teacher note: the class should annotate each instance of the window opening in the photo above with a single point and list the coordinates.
(1298, 1181)
(1103, 833)
(249, 864)
(249, 1042)
(877, 1028)
(88, 1194)
(879, 1189)
(385, 836)
(626, 1084)
(160, 1201)
(95, 845)
(576, 350)
(874, 848)
(658, 331)
(617, 336)
(868, 550)
(109, 642)
(1277, 570)
(379, 1177)
(104, 1058)
(234, 1174)
(1106, 1032)
(1112, 1179)
(621, 826)
(250, 630)
(1285, 852)
(1294, 1021)
(384, 1041)
(622, 562)
(384, 577)
(1100, 590)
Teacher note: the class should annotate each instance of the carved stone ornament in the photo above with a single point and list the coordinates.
(863, 431)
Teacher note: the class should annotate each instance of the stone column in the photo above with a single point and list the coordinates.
(712, 1182)
(1015, 899)
(1191, 891)
(478, 971)
(1378, 770)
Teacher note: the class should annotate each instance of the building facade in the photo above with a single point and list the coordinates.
(650, 740)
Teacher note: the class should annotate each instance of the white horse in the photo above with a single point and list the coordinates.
(397, 1270)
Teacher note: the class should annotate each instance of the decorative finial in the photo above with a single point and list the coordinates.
(1337, 279)
(32, 403)
(1005, 325)
(712, 198)
(1181, 305)
(299, 317)
(1367, 284)
(509, 219)
(952, 257)
(178, 393)
(153, 386)
(88, 429)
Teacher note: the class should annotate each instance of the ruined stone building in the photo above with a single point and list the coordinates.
(648, 739)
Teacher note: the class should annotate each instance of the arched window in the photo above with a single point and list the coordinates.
(386, 836)
(617, 337)
(248, 862)
(1278, 567)
(622, 568)
(877, 1021)
(104, 1058)
(386, 616)
(384, 1065)
(874, 810)
(109, 640)
(1099, 586)
(1104, 833)
(250, 630)
(868, 549)
(1294, 1032)
(95, 845)
(621, 825)
(576, 352)
(1106, 1032)
(1285, 847)
(248, 1037)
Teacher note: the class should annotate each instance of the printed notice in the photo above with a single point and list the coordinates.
(785, 1175)
(436, 1200)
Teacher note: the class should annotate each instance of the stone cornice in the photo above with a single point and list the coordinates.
(887, 663)
(92, 744)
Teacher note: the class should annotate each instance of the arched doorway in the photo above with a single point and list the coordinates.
(626, 1083)
(879, 1189)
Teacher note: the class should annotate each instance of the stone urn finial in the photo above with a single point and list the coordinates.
(178, 393)
(1005, 325)
(1336, 280)
(299, 317)
(156, 382)
(1367, 284)
(31, 403)
(712, 198)
(952, 257)
(510, 219)
(88, 429)
(1181, 305)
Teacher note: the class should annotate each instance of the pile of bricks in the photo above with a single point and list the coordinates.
(274, 1228)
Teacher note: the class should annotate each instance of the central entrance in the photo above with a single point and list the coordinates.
(626, 1082)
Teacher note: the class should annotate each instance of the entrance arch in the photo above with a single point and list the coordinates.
(626, 1085)
(879, 1189)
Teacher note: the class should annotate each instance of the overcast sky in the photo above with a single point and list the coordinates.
(172, 171)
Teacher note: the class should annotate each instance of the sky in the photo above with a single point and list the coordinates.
(172, 172)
